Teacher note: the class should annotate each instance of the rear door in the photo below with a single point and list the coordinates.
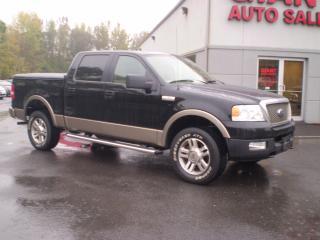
(84, 91)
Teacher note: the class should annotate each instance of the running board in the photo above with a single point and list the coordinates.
(115, 144)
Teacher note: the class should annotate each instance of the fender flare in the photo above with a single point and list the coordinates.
(46, 104)
(197, 113)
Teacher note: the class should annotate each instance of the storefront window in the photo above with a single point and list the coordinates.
(283, 77)
(268, 75)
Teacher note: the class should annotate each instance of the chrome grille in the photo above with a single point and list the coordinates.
(278, 112)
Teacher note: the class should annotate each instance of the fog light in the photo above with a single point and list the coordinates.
(257, 146)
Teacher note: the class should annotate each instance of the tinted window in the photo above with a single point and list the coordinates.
(127, 66)
(92, 67)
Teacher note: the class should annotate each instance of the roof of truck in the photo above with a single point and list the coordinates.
(126, 51)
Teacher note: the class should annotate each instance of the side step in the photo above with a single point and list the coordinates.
(115, 144)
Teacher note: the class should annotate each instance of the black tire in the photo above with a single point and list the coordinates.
(215, 158)
(52, 133)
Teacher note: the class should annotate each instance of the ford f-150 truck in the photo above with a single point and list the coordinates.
(151, 102)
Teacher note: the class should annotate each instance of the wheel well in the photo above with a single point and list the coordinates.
(199, 122)
(37, 105)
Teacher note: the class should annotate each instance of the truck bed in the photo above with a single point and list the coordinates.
(50, 86)
(45, 76)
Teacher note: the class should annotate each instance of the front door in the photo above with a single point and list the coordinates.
(283, 77)
(127, 106)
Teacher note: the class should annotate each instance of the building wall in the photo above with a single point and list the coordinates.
(234, 47)
(254, 34)
(181, 34)
(239, 66)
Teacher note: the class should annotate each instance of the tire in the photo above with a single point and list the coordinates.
(197, 156)
(42, 134)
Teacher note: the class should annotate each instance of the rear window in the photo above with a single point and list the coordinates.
(91, 68)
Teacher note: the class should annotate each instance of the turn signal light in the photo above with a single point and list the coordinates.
(235, 112)
(12, 92)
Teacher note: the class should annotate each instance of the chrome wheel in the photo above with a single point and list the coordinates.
(39, 131)
(194, 156)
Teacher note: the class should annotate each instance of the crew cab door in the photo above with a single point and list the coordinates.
(84, 91)
(128, 106)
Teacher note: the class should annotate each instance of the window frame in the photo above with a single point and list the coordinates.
(149, 74)
(104, 78)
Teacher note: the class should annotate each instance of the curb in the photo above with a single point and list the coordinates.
(307, 137)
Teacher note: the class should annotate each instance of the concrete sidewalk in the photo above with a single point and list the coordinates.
(307, 130)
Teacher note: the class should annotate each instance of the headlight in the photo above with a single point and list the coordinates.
(247, 113)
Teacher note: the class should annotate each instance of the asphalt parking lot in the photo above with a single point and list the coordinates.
(72, 193)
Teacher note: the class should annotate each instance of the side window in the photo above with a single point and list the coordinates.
(127, 66)
(91, 68)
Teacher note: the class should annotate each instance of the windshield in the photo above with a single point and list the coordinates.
(174, 69)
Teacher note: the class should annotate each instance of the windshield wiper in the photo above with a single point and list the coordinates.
(182, 80)
(211, 81)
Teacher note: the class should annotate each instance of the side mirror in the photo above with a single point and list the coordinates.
(138, 82)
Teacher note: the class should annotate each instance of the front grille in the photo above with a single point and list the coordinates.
(278, 112)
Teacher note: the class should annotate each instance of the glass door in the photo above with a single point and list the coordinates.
(292, 85)
(283, 77)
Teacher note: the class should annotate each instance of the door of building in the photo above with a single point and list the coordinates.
(284, 77)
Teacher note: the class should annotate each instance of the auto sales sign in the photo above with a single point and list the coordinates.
(296, 12)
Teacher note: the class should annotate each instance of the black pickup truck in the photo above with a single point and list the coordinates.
(151, 102)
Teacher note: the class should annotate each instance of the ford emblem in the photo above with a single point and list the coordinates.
(280, 113)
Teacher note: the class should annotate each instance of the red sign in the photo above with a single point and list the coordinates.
(268, 71)
(265, 11)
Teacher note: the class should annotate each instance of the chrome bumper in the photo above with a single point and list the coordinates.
(17, 113)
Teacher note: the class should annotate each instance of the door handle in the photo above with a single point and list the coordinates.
(108, 94)
(71, 90)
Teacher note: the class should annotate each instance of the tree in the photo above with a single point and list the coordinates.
(3, 29)
(50, 38)
(10, 60)
(27, 29)
(62, 44)
(101, 38)
(119, 39)
(137, 39)
(27, 45)
(80, 39)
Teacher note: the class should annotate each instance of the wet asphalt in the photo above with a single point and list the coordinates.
(72, 193)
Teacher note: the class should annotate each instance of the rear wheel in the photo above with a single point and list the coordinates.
(42, 134)
(197, 156)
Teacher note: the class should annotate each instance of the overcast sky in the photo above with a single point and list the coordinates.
(134, 15)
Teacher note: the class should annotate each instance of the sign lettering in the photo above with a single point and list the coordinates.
(263, 10)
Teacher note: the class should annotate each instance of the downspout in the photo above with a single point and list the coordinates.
(207, 40)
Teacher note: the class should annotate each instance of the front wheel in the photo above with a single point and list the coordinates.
(197, 156)
(42, 134)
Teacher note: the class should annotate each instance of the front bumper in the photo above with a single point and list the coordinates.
(281, 141)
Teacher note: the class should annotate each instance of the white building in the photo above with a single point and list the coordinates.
(273, 45)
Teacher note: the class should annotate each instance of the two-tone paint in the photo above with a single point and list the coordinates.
(135, 115)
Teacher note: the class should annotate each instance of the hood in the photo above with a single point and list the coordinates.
(239, 95)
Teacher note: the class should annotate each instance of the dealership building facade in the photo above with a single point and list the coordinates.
(273, 45)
